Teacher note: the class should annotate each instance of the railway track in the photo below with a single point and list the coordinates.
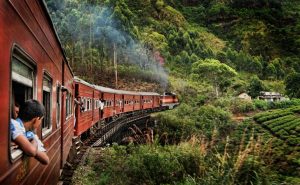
(99, 139)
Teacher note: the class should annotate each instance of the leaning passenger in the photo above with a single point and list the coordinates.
(23, 130)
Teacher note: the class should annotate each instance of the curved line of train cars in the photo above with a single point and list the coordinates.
(116, 102)
(33, 66)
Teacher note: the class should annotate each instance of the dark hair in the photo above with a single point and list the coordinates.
(31, 109)
(17, 104)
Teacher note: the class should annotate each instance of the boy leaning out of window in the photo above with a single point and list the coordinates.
(23, 129)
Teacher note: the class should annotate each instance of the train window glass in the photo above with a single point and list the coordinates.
(23, 86)
(69, 98)
(71, 104)
(88, 104)
(58, 104)
(83, 104)
(47, 86)
(67, 104)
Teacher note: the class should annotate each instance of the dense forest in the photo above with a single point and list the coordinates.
(208, 52)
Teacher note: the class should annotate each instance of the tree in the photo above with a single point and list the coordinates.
(214, 72)
(292, 85)
(255, 87)
(271, 71)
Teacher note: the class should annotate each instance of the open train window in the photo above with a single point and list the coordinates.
(58, 105)
(47, 94)
(88, 107)
(22, 88)
(69, 98)
(83, 100)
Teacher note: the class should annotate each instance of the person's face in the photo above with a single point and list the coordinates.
(17, 111)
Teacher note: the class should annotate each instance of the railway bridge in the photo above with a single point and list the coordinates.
(101, 136)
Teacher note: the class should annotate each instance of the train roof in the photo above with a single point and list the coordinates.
(77, 79)
(115, 91)
(149, 94)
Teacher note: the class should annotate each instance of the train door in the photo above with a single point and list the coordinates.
(122, 102)
(142, 102)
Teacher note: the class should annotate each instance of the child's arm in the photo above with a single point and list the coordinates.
(42, 157)
(41, 154)
(30, 148)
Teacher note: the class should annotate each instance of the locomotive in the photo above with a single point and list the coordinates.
(34, 66)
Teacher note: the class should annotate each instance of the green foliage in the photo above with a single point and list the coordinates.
(293, 85)
(261, 104)
(282, 123)
(186, 121)
(213, 71)
(255, 87)
(242, 106)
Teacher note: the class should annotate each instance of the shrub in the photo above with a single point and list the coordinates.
(210, 117)
(242, 106)
(261, 104)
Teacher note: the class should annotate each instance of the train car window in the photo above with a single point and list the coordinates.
(89, 104)
(69, 98)
(71, 103)
(22, 88)
(47, 87)
(58, 104)
(84, 104)
(67, 105)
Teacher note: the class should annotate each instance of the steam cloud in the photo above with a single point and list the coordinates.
(107, 30)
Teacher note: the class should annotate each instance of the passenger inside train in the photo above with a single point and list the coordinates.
(23, 129)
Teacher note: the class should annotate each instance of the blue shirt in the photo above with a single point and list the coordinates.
(17, 128)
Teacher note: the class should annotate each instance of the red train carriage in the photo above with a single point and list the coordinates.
(85, 94)
(137, 102)
(149, 100)
(118, 104)
(96, 106)
(108, 96)
(33, 66)
(156, 101)
(128, 101)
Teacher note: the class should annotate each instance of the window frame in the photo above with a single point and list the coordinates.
(58, 104)
(17, 52)
(47, 131)
(68, 105)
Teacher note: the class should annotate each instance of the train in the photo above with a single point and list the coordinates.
(34, 66)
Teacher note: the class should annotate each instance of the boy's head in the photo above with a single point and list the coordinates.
(32, 110)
